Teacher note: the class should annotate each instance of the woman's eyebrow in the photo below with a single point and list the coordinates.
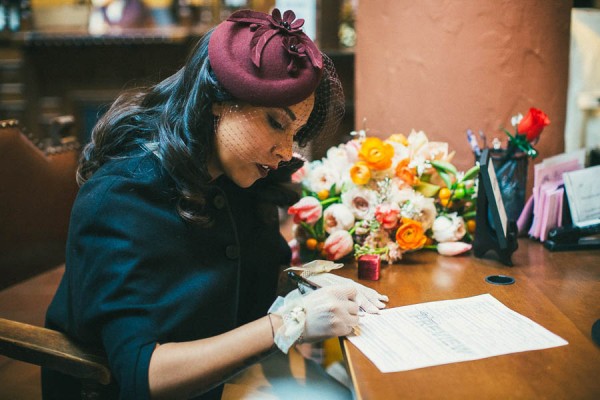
(290, 113)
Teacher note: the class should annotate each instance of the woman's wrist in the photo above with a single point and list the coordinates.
(276, 323)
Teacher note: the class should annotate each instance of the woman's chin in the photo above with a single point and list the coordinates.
(244, 181)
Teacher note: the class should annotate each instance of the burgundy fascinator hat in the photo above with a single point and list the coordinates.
(265, 60)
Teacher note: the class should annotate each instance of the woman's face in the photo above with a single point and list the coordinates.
(251, 141)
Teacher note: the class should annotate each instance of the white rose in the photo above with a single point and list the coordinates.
(361, 202)
(321, 177)
(337, 158)
(448, 228)
(427, 212)
(337, 217)
(352, 147)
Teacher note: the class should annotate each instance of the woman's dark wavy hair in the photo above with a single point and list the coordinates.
(176, 116)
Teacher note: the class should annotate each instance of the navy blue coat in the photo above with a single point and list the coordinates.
(137, 274)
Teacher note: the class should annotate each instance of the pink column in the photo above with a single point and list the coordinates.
(445, 66)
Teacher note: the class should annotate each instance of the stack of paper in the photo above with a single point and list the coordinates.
(583, 189)
(544, 207)
(448, 331)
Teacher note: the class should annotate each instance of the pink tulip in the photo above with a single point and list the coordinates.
(295, 248)
(299, 174)
(308, 210)
(338, 244)
(453, 248)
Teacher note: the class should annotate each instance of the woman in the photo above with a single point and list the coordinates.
(174, 247)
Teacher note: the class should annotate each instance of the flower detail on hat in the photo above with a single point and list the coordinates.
(296, 50)
(265, 27)
(287, 22)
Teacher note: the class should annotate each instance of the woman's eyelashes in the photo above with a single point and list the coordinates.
(275, 124)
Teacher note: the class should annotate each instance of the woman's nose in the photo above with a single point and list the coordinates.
(284, 150)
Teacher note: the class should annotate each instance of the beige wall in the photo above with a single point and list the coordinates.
(443, 66)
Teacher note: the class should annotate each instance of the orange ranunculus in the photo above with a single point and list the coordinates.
(360, 173)
(407, 174)
(533, 124)
(410, 235)
(376, 153)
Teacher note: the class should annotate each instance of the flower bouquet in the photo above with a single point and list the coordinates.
(384, 197)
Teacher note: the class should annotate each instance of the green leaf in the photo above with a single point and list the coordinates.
(331, 200)
(508, 133)
(308, 229)
(319, 230)
(446, 178)
(332, 190)
(427, 189)
(471, 173)
(444, 166)
(469, 215)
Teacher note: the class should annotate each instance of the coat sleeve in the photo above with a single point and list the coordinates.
(128, 260)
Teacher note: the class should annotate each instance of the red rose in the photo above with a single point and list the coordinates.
(533, 124)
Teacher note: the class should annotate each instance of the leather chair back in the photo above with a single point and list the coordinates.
(37, 190)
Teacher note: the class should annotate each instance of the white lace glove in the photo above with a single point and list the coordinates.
(368, 299)
(320, 314)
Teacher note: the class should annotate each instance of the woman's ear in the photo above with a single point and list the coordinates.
(217, 109)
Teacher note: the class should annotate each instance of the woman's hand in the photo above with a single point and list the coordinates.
(321, 314)
(368, 299)
(330, 311)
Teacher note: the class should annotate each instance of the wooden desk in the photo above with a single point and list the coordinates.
(560, 291)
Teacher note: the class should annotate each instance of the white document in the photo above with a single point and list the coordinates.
(442, 332)
(583, 191)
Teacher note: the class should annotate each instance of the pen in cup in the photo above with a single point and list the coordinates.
(473, 143)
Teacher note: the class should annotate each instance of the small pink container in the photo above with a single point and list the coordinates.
(369, 266)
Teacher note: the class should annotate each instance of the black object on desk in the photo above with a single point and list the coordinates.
(494, 231)
(596, 332)
(573, 238)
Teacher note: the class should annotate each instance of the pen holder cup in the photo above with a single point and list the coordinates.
(511, 173)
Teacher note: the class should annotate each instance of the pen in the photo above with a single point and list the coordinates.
(301, 280)
(483, 138)
(473, 143)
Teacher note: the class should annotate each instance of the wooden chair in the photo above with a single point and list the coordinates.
(37, 190)
(54, 350)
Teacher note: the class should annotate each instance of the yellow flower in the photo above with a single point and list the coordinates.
(360, 173)
(410, 235)
(323, 194)
(376, 153)
(398, 138)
